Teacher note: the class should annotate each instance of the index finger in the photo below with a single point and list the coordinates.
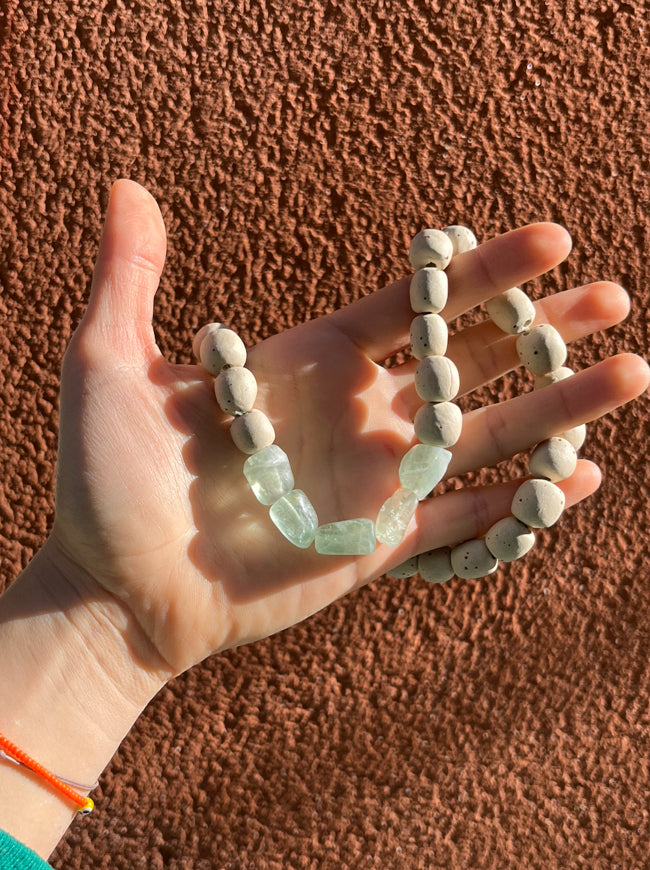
(379, 324)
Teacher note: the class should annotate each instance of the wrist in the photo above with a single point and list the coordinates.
(75, 676)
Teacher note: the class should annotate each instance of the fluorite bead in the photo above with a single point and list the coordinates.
(296, 518)
(422, 468)
(434, 566)
(430, 248)
(269, 474)
(462, 238)
(346, 538)
(408, 568)
(438, 424)
(538, 503)
(542, 349)
(394, 516)
(509, 539)
(472, 559)
(512, 311)
(429, 289)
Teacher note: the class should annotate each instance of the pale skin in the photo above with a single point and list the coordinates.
(160, 556)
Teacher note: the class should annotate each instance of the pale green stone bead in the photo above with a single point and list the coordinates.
(434, 566)
(296, 518)
(346, 538)
(422, 468)
(512, 311)
(429, 335)
(538, 503)
(472, 559)
(430, 248)
(554, 459)
(509, 539)
(542, 349)
(429, 290)
(408, 568)
(462, 238)
(269, 474)
(394, 516)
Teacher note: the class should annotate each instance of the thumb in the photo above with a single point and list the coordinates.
(127, 272)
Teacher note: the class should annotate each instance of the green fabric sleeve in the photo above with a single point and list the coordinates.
(15, 856)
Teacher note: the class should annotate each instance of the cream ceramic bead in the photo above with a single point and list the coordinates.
(429, 335)
(200, 335)
(472, 559)
(430, 248)
(576, 436)
(462, 238)
(512, 311)
(538, 503)
(554, 459)
(542, 349)
(438, 424)
(553, 377)
(435, 565)
(428, 290)
(236, 390)
(509, 539)
(222, 348)
(436, 379)
(252, 431)
(406, 569)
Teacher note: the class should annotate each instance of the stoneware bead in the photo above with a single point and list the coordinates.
(542, 349)
(429, 290)
(509, 539)
(436, 379)
(576, 436)
(409, 568)
(538, 503)
(236, 390)
(438, 424)
(554, 459)
(252, 431)
(222, 348)
(553, 377)
(512, 311)
(462, 238)
(472, 559)
(431, 248)
(435, 565)
(429, 335)
(200, 335)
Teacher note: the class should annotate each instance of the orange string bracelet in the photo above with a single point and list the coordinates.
(11, 752)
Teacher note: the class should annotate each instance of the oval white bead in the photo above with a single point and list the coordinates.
(429, 290)
(512, 311)
(434, 566)
(438, 424)
(436, 379)
(576, 436)
(200, 335)
(538, 503)
(429, 335)
(236, 390)
(462, 238)
(472, 559)
(542, 349)
(222, 348)
(405, 569)
(560, 374)
(430, 248)
(252, 431)
(509, 539)
(554, 459)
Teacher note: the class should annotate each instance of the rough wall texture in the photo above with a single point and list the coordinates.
(294, 148)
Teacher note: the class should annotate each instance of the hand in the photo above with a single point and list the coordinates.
(152, 507)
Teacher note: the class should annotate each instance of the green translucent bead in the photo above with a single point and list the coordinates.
(346, 538)
(423, 467)
(269, 474)
(395, 515)
(296, 518)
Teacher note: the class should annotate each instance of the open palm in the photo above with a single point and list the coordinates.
(152, 504)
